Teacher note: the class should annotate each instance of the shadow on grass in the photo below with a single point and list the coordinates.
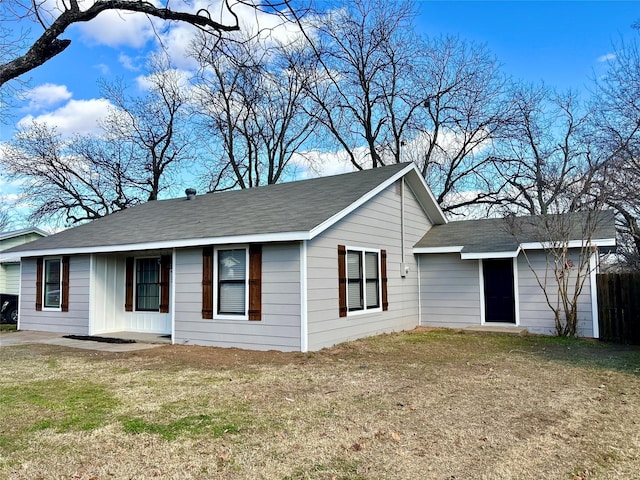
(577, 352)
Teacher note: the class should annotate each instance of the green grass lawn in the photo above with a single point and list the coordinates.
(438, 404)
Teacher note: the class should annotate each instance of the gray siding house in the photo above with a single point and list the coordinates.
(293, 267)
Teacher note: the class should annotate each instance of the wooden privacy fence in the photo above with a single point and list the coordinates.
(619, 307)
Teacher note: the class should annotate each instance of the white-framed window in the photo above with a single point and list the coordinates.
(231, 277)
(148, 284)
(52, 284)
(363, 280)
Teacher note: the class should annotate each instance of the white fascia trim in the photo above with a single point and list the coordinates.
(304, 326)
(451, 249)
(593, 270)
(358, 203)
(430, 193)
(489, 255)
(597, 242)
(198, 242)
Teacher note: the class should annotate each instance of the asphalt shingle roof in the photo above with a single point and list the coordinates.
(506, 234)
(288, 207)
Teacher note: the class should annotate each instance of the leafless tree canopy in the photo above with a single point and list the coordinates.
(252, 100)
(54, 18)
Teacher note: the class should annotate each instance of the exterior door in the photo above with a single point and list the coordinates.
(499, 298)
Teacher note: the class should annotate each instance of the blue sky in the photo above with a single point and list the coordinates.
(561, 43)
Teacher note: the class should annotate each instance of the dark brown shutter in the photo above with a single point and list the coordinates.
(64, 306)
(128, 285)
(165, 274)
(39, 275)
(342, 280)
(207, 282)
(383, 273)
(255, 282)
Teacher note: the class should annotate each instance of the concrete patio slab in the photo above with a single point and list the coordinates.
(24, 337)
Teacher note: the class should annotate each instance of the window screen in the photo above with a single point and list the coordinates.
(232, 284)
(148, 284)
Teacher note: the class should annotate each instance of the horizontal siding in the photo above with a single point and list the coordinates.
(76, 320)
(376, 225)
(535, 314)
(10, 278)
(279, 328)
(449, 291)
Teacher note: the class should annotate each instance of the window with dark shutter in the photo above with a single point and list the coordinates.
(207, 282)
(65, 284)
(39, 277)
(165, 273)
(128, 297)
(383, 274)
(255, 282)
(342, 280)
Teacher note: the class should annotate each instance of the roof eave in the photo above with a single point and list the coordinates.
(182, 243)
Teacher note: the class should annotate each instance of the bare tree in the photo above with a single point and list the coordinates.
(252, 99)
(53, 18)
(466, 109)
(570, 257)
(154, 126)
(362, 78)
(73, 180)
(617, 132)
(547, 162)
(5, 221)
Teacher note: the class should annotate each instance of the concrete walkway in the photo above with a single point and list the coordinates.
(143, 341)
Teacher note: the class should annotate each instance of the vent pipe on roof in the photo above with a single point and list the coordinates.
(191, 193)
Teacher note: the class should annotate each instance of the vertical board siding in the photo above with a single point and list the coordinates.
(535, 314)
(376, 225)
(76, 320)
(449, 291)
(279, 328)
(108, 294)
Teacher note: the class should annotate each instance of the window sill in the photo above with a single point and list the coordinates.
(357, 313)
(230, 317)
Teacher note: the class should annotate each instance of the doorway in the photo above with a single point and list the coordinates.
(499, 297)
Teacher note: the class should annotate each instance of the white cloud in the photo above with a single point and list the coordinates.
(315, 163)
(129, 62)
(607, 57)
(46, 95)
(77, 116)
(118, 29)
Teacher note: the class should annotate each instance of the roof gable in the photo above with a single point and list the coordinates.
(288, 211)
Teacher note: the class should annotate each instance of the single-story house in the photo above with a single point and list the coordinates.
(296, 266)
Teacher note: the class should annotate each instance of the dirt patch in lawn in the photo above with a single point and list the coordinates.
(434, 404)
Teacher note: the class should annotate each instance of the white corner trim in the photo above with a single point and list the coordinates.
(172, 296)
(304, 308)
(594, 295)
(419, 291)
(516, 291)
(92, 293)
(481, 279)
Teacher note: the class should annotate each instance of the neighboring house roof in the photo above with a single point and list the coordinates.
(289, 211)
(10, 239)
(505, 237)
(24, 231)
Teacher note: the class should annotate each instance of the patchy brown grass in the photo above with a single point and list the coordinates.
(434, 404)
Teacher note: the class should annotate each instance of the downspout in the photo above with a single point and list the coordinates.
(403, 266)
